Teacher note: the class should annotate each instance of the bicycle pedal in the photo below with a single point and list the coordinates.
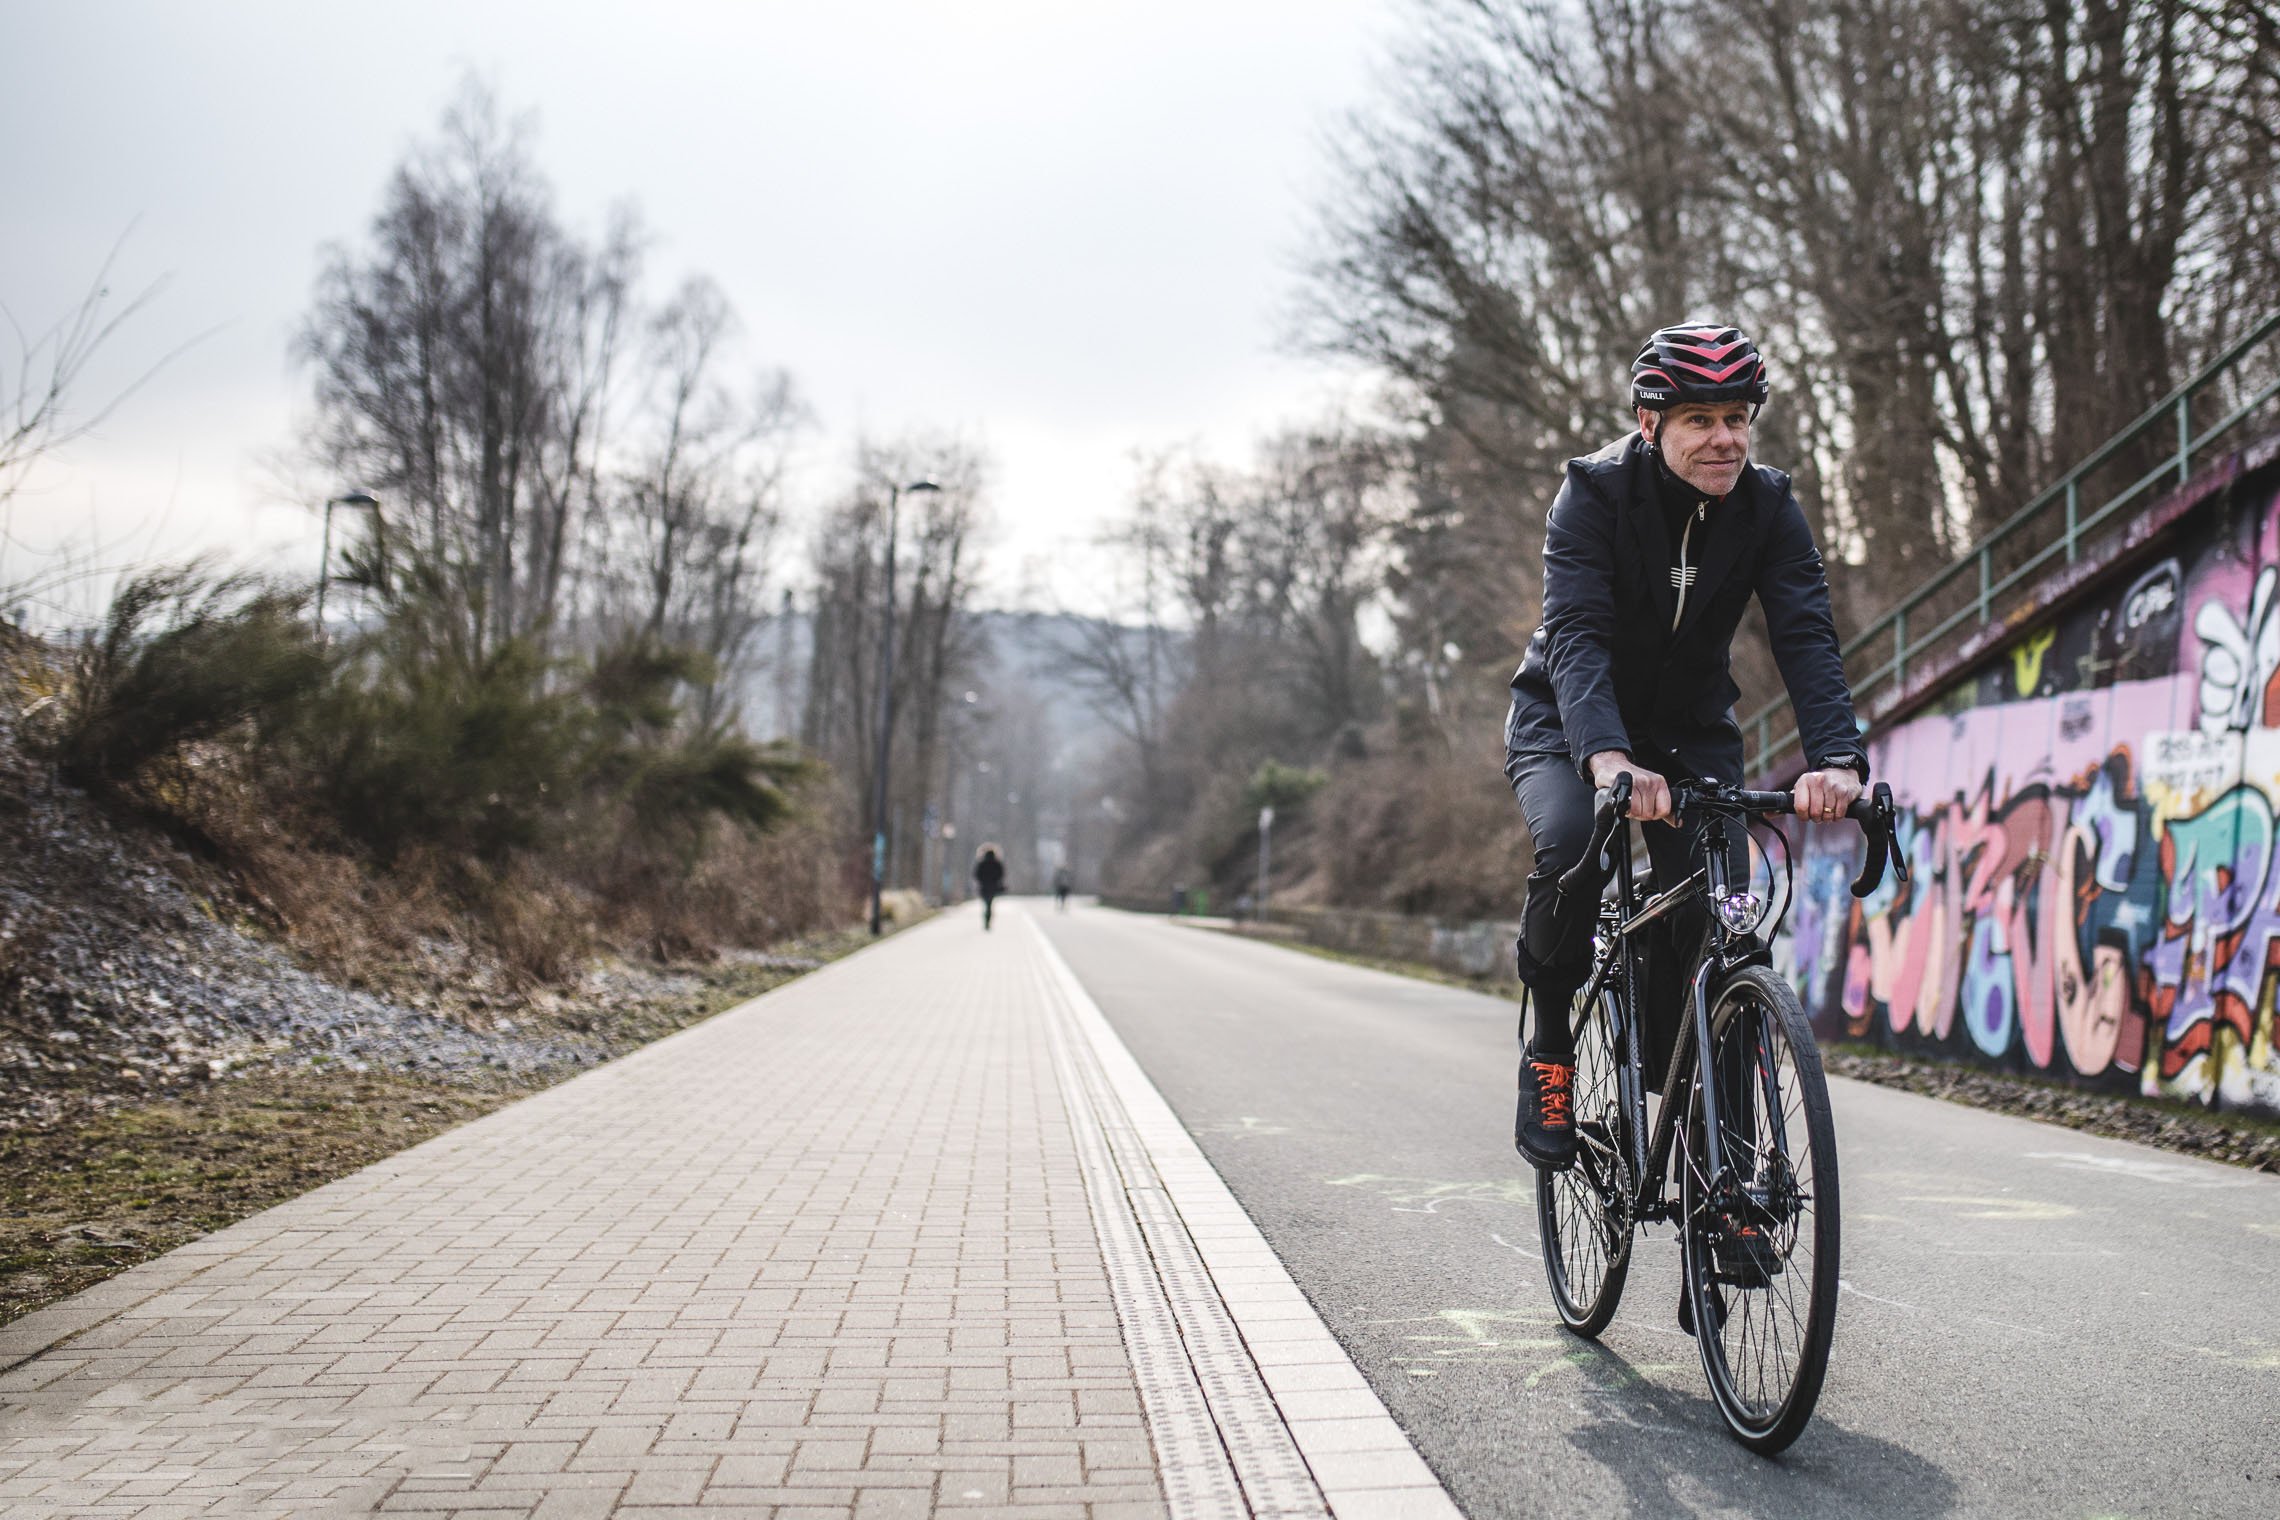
(1746, 1257)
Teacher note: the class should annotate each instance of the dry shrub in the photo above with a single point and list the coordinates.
(748, 889)
(1209, 843)
(539, 926)
(426, 820)
(275, 857)
(1427, 833)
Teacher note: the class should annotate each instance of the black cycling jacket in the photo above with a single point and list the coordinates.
(1606, 670)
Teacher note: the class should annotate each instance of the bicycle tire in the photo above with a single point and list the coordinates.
(1748, 1254)
(1583, 1214)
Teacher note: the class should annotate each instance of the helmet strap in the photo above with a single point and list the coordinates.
(1663, 471)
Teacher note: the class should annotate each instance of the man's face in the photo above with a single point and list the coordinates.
(1707, 445)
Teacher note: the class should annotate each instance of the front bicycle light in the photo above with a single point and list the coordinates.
(1741, 911)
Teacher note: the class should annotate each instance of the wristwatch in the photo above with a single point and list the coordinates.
(1851, 760)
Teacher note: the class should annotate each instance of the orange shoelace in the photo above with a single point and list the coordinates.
(1555, 1093)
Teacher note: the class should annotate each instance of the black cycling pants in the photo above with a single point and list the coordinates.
(1555, 931)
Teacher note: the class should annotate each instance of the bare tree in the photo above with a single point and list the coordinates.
(1169, 559)
(43, 410)
(693, 522)
(935, 637)
(1978, 235)
(463, 367)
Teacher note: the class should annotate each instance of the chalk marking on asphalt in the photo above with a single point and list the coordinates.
(1974, 1206)
(1402, 1192)
(2166, 1173)
(1245, 1127)
(1844, 1285)
(1485, 1337)
(1242, 1325)
(2266, 1358)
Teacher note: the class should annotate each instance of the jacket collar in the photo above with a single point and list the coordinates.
(1718, 542)
(1643, 506)
(1718, 545)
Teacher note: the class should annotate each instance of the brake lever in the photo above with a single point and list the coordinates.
(1614, 805)
(1889, 814)
(1619, 802)
(1882, 849)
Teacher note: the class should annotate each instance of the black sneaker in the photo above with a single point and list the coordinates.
(1543, 1131)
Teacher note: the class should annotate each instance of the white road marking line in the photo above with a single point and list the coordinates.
(1358, 1458)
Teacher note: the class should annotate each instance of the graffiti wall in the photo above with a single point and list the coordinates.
(2090, 828)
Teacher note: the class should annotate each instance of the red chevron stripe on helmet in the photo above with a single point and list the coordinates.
(1712, 350)
(1712, 374)
(1698, 362)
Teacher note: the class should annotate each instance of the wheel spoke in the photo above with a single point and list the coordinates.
(1765, 1357)
(1583, 1211)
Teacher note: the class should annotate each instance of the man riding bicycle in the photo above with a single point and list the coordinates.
(1651, 552)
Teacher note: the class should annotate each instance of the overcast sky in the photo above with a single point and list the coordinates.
(1065, 229)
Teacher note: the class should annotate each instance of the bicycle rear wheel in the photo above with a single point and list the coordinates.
(1761, 1237)
(1584, 1213)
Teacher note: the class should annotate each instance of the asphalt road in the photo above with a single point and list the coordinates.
(2035, 1321)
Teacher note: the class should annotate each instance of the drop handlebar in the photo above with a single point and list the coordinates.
(1875, 813)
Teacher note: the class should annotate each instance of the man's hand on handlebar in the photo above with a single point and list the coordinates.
(1650, 793)
(1824, 795)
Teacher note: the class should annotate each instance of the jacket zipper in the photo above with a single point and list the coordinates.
(1685, 576)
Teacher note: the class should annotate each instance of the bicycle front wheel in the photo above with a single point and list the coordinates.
(1584, 1213)
(1761, 1234)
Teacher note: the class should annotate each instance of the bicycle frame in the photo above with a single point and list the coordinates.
(1722, 951)
(1650, 1158)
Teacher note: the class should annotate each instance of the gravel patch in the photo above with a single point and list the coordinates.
(120, 982)
(2242, 1140)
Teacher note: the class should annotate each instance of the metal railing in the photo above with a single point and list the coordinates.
(1937, 624)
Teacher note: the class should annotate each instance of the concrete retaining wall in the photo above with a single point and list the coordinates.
(1481, 948)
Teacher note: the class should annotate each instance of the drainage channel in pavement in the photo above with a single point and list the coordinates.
(1254, 1407)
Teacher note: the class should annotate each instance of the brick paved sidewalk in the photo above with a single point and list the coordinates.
(831, 1254)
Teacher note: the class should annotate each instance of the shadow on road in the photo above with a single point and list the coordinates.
(1669, 1450)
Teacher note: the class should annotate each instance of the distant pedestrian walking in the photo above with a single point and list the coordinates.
(989, 878)
(1061, 884)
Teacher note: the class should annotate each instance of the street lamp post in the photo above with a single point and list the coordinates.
(362, 501)
(948, 831)
(1266, 859)
(886, 707)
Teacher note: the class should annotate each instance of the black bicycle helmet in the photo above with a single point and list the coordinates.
(1698, 362)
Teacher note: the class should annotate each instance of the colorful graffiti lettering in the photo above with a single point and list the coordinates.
(2092, 843)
